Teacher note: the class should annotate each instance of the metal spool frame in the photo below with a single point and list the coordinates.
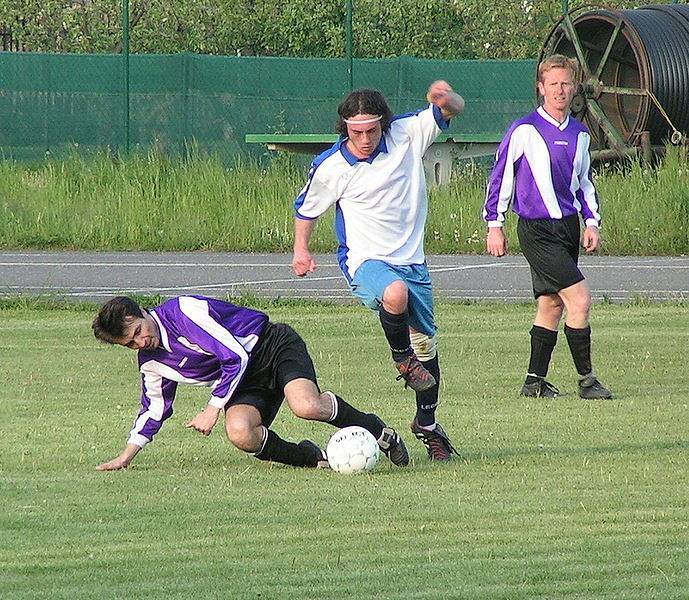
(615, 97)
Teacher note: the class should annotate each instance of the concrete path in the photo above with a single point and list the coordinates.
(96, 276)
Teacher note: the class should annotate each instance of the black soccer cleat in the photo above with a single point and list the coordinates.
(592, 389)
(539, 389)
(437, 442)
(393, 447)
(319, 459)
(415, 375)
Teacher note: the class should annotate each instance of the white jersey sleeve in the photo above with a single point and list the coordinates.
(422, 127)
(320, 192)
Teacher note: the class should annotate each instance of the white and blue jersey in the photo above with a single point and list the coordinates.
(543, 170)
(380, 201)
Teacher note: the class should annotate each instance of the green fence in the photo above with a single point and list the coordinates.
(49, 103)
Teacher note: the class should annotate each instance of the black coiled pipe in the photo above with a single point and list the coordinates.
(664, 31)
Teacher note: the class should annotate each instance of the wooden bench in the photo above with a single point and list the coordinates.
(437, 161)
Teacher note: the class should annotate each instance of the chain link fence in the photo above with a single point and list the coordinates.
(52, 103)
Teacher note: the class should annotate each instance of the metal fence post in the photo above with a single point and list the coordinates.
(125, 72)
(350, 44)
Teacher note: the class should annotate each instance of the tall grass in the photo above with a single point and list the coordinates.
(152, 202)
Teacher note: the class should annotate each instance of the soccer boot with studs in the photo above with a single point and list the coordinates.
(592, 389)
(415, 375)
(437, 442)
(539, 389)
(392, 445)
(318, 458)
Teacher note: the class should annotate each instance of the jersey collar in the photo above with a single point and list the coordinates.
(163, 332)
(561, 126)
(352, 160)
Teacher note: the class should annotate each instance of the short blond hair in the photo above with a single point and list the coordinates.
(558, 61)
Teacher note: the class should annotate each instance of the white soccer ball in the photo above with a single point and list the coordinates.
(352, 450)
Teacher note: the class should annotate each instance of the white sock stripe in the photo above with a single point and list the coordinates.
(333, 399)
(263, 441)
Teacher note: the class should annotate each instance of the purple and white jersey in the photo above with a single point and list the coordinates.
(380, 201)
(203, 341)
(543, 169)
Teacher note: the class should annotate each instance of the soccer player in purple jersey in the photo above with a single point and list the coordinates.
(374, 177)
(251, 366)
(543, 169)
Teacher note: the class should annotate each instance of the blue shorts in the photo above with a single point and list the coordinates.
(373, 276)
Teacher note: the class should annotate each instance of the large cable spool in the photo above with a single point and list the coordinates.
(634, 88)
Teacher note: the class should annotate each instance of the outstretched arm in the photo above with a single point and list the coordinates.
(122, 461)
(449, 102)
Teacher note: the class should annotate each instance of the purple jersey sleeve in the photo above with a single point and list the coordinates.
(501, 183)
(157, 395)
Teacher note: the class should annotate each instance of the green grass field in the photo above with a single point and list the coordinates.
(552, 499)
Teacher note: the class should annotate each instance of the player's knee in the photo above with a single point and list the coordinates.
(311, 407)
(243, 435)
(551, 305)
(395, 297)
(581, 306)
(424, 346)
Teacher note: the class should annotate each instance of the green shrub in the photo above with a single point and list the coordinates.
(447, 29)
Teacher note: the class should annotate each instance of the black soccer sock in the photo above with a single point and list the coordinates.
(396, 329)
(427, 402)
(542, 343)
(278, 450)
(579, 341)
(345, 415)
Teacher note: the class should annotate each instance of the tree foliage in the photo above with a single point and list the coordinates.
(448, 29)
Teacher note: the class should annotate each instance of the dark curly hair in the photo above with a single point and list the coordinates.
(109, 325)
(363, 102)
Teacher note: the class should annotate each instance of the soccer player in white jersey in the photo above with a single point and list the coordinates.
(375, 178)
(543, 170)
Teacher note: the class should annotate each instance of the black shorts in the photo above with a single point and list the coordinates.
(551, 247)
(279, 356)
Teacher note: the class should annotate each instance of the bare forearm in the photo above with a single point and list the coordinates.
(302, 234)
(453, 105)
(302, 261)
(445, 98)
(122, 461)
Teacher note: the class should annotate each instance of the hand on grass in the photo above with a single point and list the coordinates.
(122, 461)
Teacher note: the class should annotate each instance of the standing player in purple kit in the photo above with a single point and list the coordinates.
(251, 365)
(543, 170)
(374, 176)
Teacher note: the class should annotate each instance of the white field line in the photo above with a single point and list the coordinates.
(437, 269)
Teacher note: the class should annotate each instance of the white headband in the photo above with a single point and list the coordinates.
(366, 122)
